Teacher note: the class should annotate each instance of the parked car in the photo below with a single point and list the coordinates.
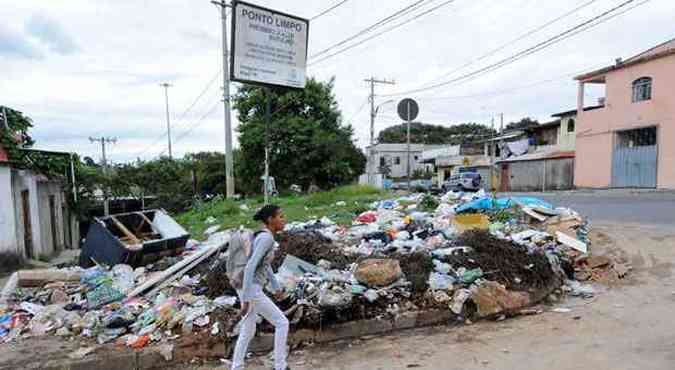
(466, 181)
(415, 185)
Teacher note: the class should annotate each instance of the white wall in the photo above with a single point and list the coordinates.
(7, 214)
(566, 139)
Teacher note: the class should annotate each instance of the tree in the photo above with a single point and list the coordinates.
(308, 143)
(524, 123)
(421, 133)
(15, 136)
(209, 171)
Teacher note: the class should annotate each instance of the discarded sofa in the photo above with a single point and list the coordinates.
(135, 238)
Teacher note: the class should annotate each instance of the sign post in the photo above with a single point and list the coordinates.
(269, 48)
(407, 111)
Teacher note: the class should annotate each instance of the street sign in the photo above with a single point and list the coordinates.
(408, 109)
(268, 47)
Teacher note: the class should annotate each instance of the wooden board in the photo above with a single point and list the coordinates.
(125, 231)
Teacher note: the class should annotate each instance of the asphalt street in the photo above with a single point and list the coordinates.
(621, 206)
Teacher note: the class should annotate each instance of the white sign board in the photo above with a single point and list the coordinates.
(268, 47)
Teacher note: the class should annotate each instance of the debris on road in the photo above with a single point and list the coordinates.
(471, 254)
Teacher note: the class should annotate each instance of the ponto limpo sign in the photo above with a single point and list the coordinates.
(268, 47)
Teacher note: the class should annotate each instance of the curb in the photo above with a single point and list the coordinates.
(151, 359)
(107, 361)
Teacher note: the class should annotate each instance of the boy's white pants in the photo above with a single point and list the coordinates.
(261, 305)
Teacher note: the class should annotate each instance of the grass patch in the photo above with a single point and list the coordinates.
(229, 214)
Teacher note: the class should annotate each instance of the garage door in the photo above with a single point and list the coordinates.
(634, 159)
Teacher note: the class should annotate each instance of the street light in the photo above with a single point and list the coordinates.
(386, 102)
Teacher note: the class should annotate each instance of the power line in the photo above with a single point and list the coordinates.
(508, 90)
(183, 115)
(349, 121)
(372, 27)
(531, 50)
(519, 38)
(321, 14)
(194, 125)
(419, 15)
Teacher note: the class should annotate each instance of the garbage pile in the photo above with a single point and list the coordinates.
(472, 254)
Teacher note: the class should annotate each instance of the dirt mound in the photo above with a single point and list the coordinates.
(310, 246)
(416, 267)
(216, 280)
(503, 261)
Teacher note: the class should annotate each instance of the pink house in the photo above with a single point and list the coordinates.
(630, 140)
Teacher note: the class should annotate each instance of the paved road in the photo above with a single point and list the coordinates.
(647, 208)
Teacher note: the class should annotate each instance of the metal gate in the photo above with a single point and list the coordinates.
(634, 159)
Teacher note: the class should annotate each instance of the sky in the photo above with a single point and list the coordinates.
(84, 69)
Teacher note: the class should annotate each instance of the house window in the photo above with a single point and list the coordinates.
(642, 89)
(397, 160)
(570, 125)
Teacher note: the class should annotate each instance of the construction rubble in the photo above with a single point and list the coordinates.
(472, 254)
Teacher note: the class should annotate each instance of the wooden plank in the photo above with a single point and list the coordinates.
(182, 272)
(571, 242)
(140, 226)
(530, 212)
(36, 278)
(126, 231)
(173, 269)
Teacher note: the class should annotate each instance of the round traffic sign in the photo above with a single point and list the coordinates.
(408, 109)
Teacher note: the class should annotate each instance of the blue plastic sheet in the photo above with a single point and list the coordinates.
(488, 203)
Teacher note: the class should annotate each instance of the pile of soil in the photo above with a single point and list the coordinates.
(416, 267)
(310, 246)
(503, 261)
(216, 280)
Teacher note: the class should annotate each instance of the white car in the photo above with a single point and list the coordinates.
(470, 181)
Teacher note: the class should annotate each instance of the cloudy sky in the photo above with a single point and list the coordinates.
(84, 68)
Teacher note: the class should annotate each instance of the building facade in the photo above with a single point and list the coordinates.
(393, 159)
(630, 140)
(36, 221)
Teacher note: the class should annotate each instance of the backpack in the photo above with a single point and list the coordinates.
(241, 243)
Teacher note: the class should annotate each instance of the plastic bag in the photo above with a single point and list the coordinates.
(440, 281)
(123, 278)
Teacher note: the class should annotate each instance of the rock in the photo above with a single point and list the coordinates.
(492, 298)
(378, 272)
(59, 296)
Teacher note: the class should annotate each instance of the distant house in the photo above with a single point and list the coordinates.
(35, 220)
(568, 127)
(630, 140)
(541, 158)
(394, 158)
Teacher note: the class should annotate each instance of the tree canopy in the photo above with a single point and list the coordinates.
(308, 143)
(421, 133)
(524, 123)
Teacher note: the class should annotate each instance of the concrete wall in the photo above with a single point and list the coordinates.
(7, 216)
(530, 175)
(49, 245)
(596, 128)
(401, 170)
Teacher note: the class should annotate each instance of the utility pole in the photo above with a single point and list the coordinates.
(229, 161)
(104, 162)
(373, 113)
(166, 86)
